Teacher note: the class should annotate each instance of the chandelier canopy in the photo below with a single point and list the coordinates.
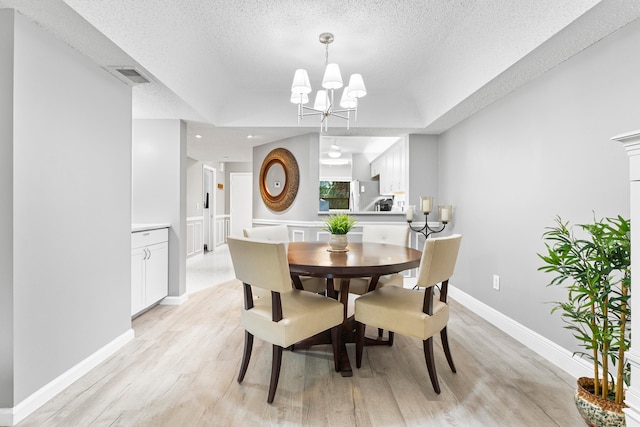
(324, 101)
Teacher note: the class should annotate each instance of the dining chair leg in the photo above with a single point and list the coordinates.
(380, 332)
(391, 334)
(431, 366)
(248, 346)
(360, 327)
(275, 371)
(336, 334)
(445, 346)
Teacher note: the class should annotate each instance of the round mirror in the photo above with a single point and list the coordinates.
(276, 179)
(279, 178)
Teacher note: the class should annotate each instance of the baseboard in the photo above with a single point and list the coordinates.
(172, 300)
(12, 416)
(546, 348)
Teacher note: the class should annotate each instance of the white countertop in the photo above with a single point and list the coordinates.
(361, 212)
(144, 227)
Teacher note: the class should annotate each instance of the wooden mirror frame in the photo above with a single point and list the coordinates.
(285, 198)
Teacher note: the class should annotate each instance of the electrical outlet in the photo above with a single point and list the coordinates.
(496, 282)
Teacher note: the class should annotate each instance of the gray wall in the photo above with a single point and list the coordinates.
(305, 149)
(424, 172)
(361, 167)
(542, 151)
(71, 209)
(159, 187)
(423, 166)
(6, 208)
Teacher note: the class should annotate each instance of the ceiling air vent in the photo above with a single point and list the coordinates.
(129, 75)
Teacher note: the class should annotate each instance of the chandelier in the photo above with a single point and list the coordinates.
(324, 102)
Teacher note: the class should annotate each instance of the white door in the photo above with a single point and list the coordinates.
(240, 202)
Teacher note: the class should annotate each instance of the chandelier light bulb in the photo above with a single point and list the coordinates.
(334, 154)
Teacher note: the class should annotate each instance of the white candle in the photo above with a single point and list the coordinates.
(426, 205)
(410, 213)
(444, 215)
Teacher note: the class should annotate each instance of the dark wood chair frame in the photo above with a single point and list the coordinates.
(427, 308)
(276, 362)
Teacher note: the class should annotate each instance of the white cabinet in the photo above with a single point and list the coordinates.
(149, 268)
(376, 166)
(391, 166)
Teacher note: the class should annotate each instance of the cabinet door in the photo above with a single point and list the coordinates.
(138, 256)
(398, 168)
(375, 167)
(156, 273)
(389, 172)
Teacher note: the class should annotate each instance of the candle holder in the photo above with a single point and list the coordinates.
(426, 204)
(426, 230)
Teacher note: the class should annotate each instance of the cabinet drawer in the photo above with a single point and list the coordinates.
(149, 237)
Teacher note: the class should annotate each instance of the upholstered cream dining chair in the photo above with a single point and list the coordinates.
(289, 315)
(392, 234)
(280, 233)
(414, 312)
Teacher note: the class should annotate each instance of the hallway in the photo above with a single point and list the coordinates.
(208, 269)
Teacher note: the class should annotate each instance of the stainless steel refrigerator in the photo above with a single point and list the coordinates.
(364, 195)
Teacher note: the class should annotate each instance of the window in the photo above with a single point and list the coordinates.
(334, 195)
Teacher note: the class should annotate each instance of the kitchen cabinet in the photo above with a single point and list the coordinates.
(376, 166)
(391, 167)
(149, 268)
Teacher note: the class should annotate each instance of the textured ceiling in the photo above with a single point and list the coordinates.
(226, 66)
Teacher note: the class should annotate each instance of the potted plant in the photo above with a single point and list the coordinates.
(595, 270)
(339, 225)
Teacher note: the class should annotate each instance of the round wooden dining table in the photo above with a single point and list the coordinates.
(360, 260)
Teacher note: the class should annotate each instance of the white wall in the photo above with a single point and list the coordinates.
(336, 173)
(70, 208)
(194, 188)
(542, 151)
(159, 187)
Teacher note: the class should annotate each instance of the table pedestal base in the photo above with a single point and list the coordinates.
(348, 336)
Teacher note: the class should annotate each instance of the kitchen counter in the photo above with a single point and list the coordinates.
(144, 227)
(359, 213)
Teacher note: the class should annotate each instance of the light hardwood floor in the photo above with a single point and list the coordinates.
(181, 370)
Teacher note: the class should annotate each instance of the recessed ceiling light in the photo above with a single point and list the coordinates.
(249, 136)
(198, 136)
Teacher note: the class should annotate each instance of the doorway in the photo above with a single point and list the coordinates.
(209, 207)
(240, 202)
